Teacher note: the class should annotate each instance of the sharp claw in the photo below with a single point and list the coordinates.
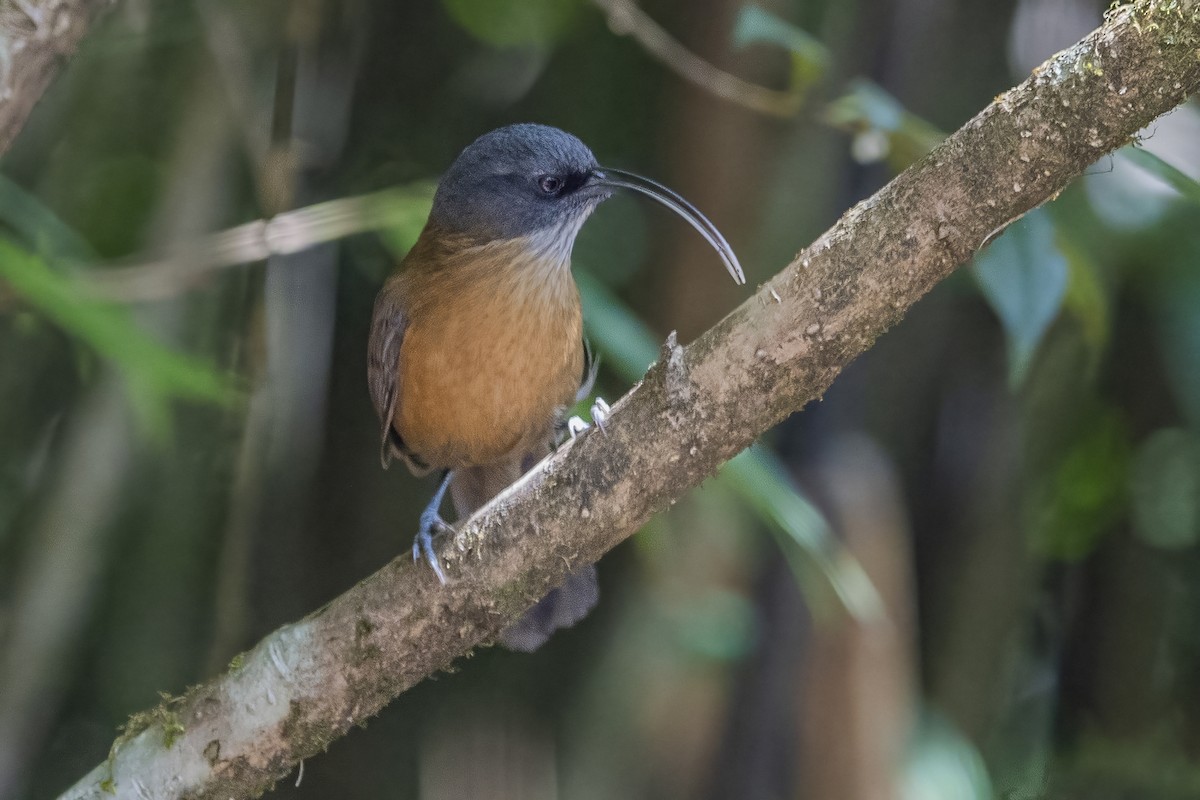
(600, 410)
(426, 541)
(423, 543)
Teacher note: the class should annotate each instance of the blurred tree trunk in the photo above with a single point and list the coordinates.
(859, 691)
(715, 151)
(282, 442)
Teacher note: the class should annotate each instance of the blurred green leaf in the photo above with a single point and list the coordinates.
(112, 200)
(882, 127)
(1023, 277)
(1087, 297)
(810, 58)
(816, 557)
(1180, 181)
(756, 477)
(866, 105)
(1111, 765)
(617, 236)
(505, 23)
(1085, 491)
(1165, 489)
(155, 374)
(399, 214)
(721, 626)
(38, 226)
(1174, 306)
(755, 24)
(626, 342)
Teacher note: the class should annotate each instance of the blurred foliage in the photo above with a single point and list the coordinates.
(1188, 188)
(156, 375)
(1023, 276)
(1083, 494)
(1087, 297)
(37, 225)
(515, 22)
(883, 129)
(810, 58)
(1038, 413)
(399, 215)
(1165, 489)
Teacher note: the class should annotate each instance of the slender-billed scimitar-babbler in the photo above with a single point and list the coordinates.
(477, 348)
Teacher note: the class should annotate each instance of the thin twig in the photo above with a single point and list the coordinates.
(283, 234)
(626, 18)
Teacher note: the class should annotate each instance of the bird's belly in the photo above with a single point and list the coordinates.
(475, 388)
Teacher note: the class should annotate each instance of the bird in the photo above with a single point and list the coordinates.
(476, 348)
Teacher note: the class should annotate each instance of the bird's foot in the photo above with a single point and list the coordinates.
(432, 524)
(600, 412)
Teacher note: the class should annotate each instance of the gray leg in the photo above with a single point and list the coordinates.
(600, 412)
(432, 523)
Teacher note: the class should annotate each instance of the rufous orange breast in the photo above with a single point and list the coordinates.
(484, 372)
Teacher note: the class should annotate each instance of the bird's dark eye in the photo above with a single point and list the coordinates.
(550, 184)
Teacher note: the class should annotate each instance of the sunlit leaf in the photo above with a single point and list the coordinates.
(155, 374)
(1181, 182)
(1023, 277)
(1165, 489)
(514, 22)
(810, 58)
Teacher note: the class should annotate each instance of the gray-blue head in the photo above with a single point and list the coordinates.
(536, 181)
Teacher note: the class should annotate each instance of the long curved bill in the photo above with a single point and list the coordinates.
(620, 179)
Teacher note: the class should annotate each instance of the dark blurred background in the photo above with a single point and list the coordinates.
(988, 585)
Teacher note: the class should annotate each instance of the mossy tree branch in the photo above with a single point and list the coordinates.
(36, 37)
(308, 683)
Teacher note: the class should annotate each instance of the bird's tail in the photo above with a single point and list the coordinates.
(470, 489)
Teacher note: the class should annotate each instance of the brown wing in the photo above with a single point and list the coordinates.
(388, 323)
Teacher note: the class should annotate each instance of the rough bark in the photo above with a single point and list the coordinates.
(308, 683)
(36, 37)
